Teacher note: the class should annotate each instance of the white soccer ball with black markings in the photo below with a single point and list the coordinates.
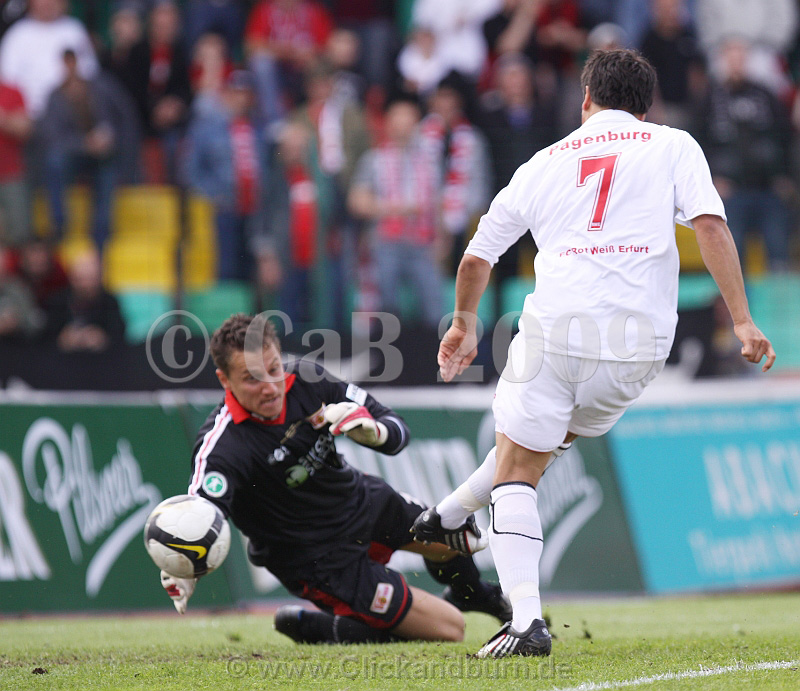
(187, 536)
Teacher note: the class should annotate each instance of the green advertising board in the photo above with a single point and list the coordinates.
(76, 485)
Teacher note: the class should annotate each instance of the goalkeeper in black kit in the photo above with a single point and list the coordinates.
(267, 457)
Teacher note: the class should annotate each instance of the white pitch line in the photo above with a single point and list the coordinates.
(690, 674)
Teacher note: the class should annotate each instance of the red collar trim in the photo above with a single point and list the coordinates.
(239, 414)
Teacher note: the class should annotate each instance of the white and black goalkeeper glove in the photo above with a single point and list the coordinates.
(179, 590)
(356, 422)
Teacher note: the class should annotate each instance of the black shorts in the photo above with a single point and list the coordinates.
(365, 589)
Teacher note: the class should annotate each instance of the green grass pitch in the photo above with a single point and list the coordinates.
(697, 643)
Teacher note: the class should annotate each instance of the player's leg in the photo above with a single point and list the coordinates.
(515, 533)
(464, 587)
(430, 619)
(474, 493)
(310, 626)
(531, 419)
(471, 495)
(361, 601)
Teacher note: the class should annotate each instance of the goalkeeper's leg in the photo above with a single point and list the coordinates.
(465, 589)
(364, 601)
(308, 626)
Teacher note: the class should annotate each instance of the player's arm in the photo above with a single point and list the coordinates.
(361, 417)
(499, 228)
(459, 345)
(720, 256)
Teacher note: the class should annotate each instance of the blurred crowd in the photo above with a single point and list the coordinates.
(349, 146)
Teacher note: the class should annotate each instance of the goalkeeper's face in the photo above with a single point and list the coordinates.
(259, 384)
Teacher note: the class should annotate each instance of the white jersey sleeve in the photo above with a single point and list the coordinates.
(695, 193)
(503, 224)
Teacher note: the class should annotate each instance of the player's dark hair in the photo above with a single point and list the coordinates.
(231, 335)
(620, 79)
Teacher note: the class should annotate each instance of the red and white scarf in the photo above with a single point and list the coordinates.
(407, 178)
(303, 216)
(245, 165)
(457, 162)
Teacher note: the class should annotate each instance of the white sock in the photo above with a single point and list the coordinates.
(469, 496)
(515, 536)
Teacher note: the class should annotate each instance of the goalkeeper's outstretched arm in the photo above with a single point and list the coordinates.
(179, 590)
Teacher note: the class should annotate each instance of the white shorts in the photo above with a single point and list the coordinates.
(568, 394)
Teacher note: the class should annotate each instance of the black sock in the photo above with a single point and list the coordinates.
(460, 574)
(321, 627)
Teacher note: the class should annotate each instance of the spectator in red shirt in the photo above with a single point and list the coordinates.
(283, 38)
(15, 129)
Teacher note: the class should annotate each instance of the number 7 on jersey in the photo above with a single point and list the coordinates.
(606, 166)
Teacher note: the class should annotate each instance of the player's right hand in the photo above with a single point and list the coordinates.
(179, 590)
(755, 345)
(456, 351)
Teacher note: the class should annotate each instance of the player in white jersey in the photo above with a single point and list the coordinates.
(601, 205)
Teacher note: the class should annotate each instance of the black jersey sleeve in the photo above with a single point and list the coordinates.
(337, 391)
(213, 476)
(395, 425)
(217, 485)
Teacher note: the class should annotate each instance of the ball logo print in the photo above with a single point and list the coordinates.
(196, 551)
(215, 484)
(187, 536)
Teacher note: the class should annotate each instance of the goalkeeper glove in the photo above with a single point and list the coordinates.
(356, 422)
(179, 589)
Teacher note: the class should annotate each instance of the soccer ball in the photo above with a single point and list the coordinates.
(187, 536)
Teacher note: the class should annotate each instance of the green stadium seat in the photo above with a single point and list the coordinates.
(216, 304)
(140, 310)
(696, 290)
(775, 306)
